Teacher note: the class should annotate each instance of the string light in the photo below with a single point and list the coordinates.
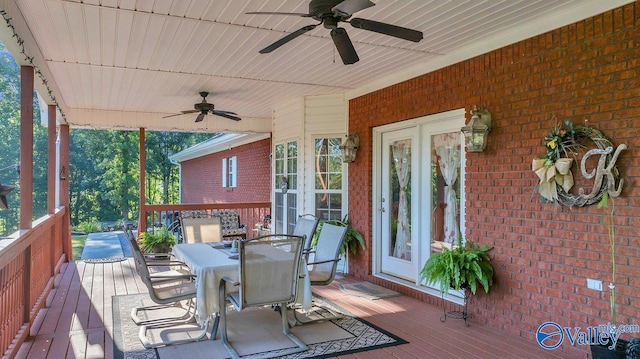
(37, 71)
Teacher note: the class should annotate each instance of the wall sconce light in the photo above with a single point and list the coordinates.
(63, 173)
(477, 131)
(349, 147)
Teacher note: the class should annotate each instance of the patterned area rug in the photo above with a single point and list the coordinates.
(325, 339)
(367, 290)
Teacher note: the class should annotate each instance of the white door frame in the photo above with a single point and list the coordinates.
(454, 118)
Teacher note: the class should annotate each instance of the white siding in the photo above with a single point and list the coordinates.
(325, 116)
(301, 120)
(288, 121)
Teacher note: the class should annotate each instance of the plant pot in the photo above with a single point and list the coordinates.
(603, 352)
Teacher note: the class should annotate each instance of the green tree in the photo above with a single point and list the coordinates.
(10, 145)
(162, 175)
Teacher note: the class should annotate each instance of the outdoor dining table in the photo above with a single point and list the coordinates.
(210, 264)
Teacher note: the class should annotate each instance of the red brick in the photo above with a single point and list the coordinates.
(543, 253)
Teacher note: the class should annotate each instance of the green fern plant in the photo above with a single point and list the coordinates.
(159, 241)
(461, 267)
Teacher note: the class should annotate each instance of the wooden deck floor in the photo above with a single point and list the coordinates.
(77, 322)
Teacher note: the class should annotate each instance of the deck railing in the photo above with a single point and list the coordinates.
(29, 261)
(250, 213)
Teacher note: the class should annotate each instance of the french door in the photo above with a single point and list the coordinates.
(396, 203)
(418, 194)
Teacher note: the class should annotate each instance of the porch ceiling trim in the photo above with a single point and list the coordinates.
(127, 120)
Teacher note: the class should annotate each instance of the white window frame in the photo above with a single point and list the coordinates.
(230, 172)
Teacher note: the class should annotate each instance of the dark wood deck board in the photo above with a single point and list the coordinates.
(78, 322)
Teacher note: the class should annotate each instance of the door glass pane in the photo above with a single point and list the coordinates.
(292, 165)
(279, 165)
(445, 190)
(292, 212)
(400, 191)
(279, 212)
(328, 179)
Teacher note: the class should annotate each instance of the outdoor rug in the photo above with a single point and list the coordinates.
(367, 290)
(253, 332)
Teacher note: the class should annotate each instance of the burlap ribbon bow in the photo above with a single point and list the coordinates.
(559, 173)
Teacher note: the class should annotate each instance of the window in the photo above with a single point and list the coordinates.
(229, 172)
(328, 178)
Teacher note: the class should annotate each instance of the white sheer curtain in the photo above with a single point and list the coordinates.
(401, 151)
(448, 150)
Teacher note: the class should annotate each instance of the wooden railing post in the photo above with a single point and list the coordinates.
(142, 217)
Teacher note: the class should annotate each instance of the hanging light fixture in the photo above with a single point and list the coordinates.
(477, 131)
(349, 147)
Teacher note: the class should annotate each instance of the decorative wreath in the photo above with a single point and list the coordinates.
(554, 168)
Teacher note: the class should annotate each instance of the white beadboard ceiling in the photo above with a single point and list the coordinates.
(128, 63)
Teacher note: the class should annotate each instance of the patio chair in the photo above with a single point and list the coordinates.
(306, 227)
(168, 290)
(323, 266)
(269, 273)
(167, 287)
(201, 230)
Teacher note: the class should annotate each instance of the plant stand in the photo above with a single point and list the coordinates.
(456, 314)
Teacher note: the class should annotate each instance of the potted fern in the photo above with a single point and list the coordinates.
(158, 241)
(460, 267)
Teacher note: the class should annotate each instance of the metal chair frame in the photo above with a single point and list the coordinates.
(327, 255)
(248, 296)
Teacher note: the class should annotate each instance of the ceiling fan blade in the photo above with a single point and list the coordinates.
(226, 115)
(200, 117)
(287, 38)
(189, 111)
(226, 112)
(348, 7)
(344, 46)
(277, 13)
(387, 29)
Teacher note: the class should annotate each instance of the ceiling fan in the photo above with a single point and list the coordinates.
(205, 108)
(332, 12)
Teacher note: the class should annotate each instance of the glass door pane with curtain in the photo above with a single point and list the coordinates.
(446, 154)
(398, 162)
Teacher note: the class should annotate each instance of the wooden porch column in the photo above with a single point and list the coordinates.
(142, 215)
(26, 147)
(64, 191)
(51, 159)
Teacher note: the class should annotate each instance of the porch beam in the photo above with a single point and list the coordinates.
(26, 146)
(142, 211)
(51, 159)
(64, 191)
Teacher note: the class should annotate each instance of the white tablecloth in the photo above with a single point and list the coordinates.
(210, 265)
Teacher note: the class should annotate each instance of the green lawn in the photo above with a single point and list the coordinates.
(77, 244)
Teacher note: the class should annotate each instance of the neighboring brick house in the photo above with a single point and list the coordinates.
(226, 168)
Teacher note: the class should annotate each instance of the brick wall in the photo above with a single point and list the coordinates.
(543, 253)
(202, 177)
